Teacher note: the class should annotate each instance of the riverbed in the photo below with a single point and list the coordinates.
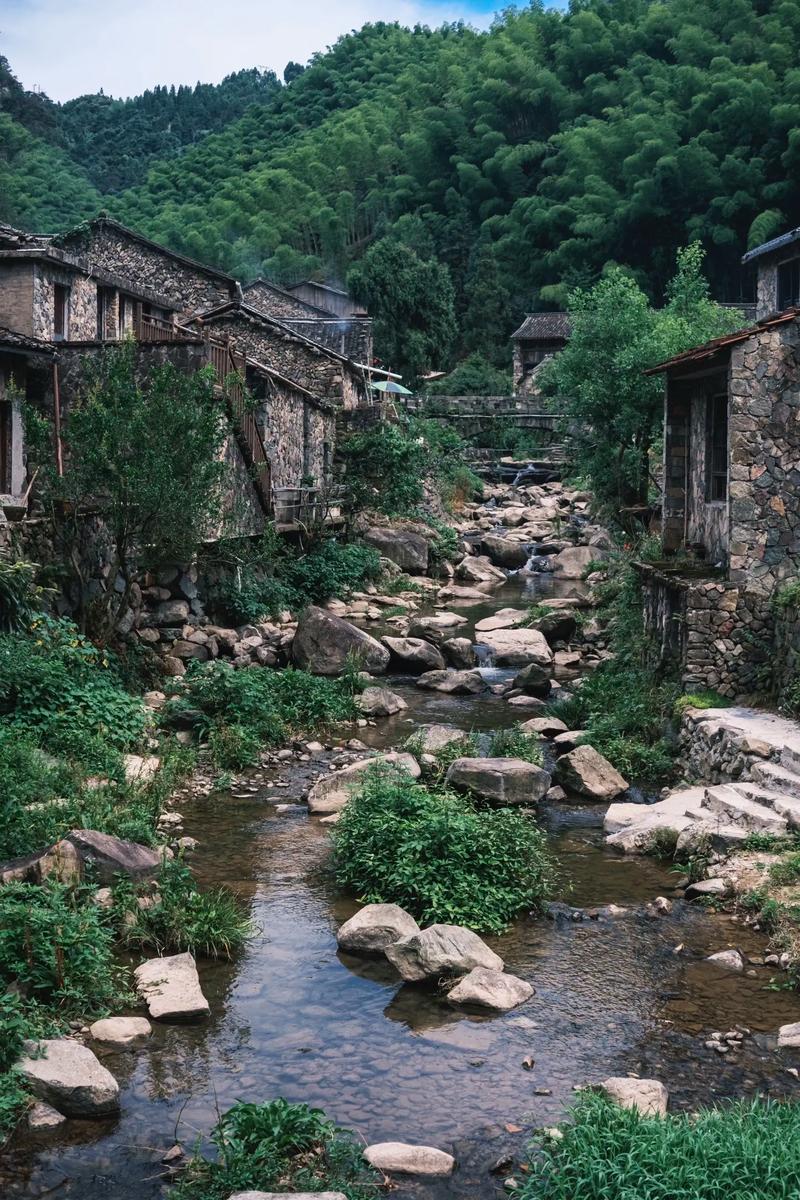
(291, 1016)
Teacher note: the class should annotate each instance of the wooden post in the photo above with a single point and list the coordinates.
(57, 421)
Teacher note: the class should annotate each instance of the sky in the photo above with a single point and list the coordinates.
(70, 48)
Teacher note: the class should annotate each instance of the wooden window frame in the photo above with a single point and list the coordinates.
(716, 473)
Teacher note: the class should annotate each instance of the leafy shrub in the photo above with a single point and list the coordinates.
(513, 743)
(785, 872)
(278, 1145)
(180, 917)
(788, 595)
(746, 1149)
(437, 856)
(57, 946)
(243, 711)
(662, 843)
(463, 747)
(20, 597)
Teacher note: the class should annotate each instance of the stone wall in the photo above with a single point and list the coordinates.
(296, 432)
(188, 287)
(82, 320)
(714, 752)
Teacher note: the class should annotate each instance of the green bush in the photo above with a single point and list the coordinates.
(437, 856)
(463, 747)
(56, 945)
(180, 917)
(747, 1150)
(20, 596)
(278, 1146)
(513, 743)
(709, 699)
(240, 712)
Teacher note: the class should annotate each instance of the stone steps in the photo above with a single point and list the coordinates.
(776, 778)
(785, 806)
(735, 808)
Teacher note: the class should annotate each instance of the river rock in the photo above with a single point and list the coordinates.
(504, 618)
(501, 781)
(323, 644)
(441, 950)
(484, 988)
(729, 960)
(504, 552)
(572, 562)
(170, 987)
(649, 1096)
(331, 794)
(459, 653)
(67, 1075)
(408, 550)
(789, 1035)
(109, 856)
(518, 647)
(375, 927)
(61, 862)
(479, 568)
(435, 628)
(586, 772)
(707, 887)
(141, 769)
(546, 727)
(564, 742)
(460, 683)
(431, 738)
(288, 1196)
(557, 626)
(534, 681)
(403, 1159)
(121, 1032)
(414, 654)
(379, 702)
(43, 1116)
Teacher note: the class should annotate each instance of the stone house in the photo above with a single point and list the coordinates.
(539, 337)
(731, 503)
(349, 335)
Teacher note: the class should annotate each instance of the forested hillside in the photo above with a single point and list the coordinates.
(512, 164)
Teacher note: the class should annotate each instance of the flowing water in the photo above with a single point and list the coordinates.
(293, 1017)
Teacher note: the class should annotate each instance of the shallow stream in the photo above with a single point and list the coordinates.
(293, 1017)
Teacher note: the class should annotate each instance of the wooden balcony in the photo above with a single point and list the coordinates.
(147, 328)
(229, 369)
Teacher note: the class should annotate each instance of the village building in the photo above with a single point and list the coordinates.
(731, 503)
(349, 334)
(539, 337)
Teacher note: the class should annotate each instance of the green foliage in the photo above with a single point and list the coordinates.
(151, 449)
(57, 946)
(473, 376)
(20, 597)
(662, 843)
(709, 699)
(278, 1145)
(463, 747)
(513, 743)
(616, 335)
(744, 1149)
(178, 916)
(785, 872)
(437, 856)
(241, 712)
(787, 596)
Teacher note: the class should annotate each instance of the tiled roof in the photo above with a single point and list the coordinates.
(544, 326)
(709, 349)
(11, 340)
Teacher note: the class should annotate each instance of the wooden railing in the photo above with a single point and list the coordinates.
(147, 328)
(229, 369)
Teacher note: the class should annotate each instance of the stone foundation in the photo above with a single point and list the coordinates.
(720, 745)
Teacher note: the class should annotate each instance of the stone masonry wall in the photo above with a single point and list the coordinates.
(82, 325)
(712, 752)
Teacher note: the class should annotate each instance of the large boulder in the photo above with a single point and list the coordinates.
(437, 627)
(459, 653)
(109, 856)
(170, 987)
(557, 626)
(331, 794)
(534, 681)
(518, 647)
(375, 927)
(573, 562)
(504, 552)
(586, 772)
(501, 781)
(546, 727)
(504, 618)
(441, 950)
(403, 1159)
(479, 568)
(454, 683)
(323, 644)
(432, 738)
(495, 990)
(414, 655)
(649, 1096)
(408, 550)
(67, 1075)
(379, 702)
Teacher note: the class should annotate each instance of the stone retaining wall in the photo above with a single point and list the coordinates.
(712, 752)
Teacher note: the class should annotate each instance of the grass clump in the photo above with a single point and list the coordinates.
(445, 756)
(746, 1150)
(178, 916)
(786, 872)
(437, 856)
(709, 699)
(513, 743)
(278, 1146)
(240, 712)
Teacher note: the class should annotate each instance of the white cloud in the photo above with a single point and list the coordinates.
(67, 49)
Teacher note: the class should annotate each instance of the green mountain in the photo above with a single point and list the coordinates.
(519, 161)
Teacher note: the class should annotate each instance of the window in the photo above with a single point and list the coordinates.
(60, 312)
(716, 447)
(105, 313)
(789, 284)
(535, 352)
